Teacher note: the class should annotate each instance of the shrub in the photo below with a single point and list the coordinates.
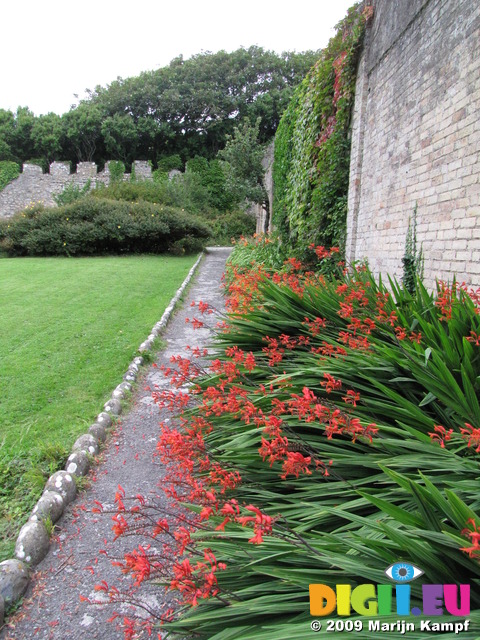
(97, 226)
(117, 171)
(167, 163)
(263, 250)
(71, 192)
(8, 172)
(212, 178)
(232, 225)
(147, 190)
(186, 192)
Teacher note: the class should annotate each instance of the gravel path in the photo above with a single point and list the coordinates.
(52, 608)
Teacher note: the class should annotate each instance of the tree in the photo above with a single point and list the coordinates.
(83, 131)
(121, 137)
(190, 106)
(22, 144)
(46, 137)
(242, 164)
(7, 134)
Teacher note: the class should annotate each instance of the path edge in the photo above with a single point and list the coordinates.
(33, 541)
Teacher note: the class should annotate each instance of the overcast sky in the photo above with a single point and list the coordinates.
(53, 49)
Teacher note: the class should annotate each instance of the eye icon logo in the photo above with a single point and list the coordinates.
(373, 600)
(403, 572)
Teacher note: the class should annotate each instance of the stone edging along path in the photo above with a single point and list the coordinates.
(33, 541)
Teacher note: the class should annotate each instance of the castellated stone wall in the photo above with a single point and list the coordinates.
(34, 186)
(416, 139)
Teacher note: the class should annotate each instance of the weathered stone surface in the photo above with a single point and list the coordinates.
(13, 580)
(50, 505)
(64, 484)
(138, 361)
(130, 376)
(2, 610)
(113, 407)
(78, 462)
(98, 431)
(122, 389)
(146, 346)
(32, 542)
(87, 443)
(105, 419)
(34, 186)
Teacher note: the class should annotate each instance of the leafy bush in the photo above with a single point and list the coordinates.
(234, 225)
(183, 192)
(167, 163)
(8, 172)
(117, 170)
(97, 226)
(213, 179)
(193, 192)
(147, 191)
(71, 192)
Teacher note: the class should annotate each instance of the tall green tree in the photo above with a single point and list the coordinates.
(242, 164)
(190, 106)
(46, 137)
(83, 132)
(7, 134)
(121, 137)
(22, 144)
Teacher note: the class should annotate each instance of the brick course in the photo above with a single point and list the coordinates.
(416, 139)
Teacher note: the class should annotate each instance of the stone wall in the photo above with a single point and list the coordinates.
(33, 186)
(263, 216)
(416, 139)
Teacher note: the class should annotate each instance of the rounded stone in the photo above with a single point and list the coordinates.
(122, 389)
(13, 580)
(32, 542)
(50, 506)
(78, 463)
(146, 346)
(64, 484)
(133, 367)
(138, 361)
(105, 419)
(86, 443)
(130, 376)
(113, 407)
(98, 431)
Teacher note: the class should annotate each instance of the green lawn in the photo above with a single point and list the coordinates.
(69, 328)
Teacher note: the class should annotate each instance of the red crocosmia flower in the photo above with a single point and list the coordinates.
(472, 435)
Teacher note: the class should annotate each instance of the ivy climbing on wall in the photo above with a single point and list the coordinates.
(312, 144)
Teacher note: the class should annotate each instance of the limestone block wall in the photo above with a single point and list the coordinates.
(416, 139)
(34, 186)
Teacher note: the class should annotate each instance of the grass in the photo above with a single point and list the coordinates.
(68, 330)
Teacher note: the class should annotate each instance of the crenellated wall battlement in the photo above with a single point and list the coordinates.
(32, 185)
